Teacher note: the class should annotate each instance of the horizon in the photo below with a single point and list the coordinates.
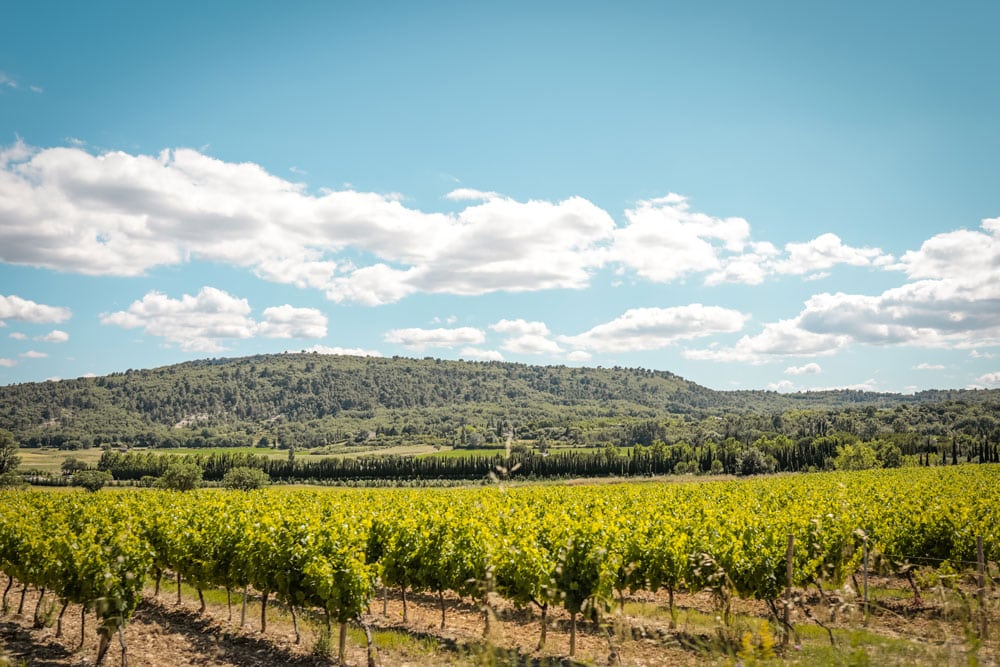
(782, 198)
(227, 359)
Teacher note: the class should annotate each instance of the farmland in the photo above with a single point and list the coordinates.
(643, 571)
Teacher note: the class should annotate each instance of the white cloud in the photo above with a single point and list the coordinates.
(976, 354)
(195, 323)
(928, 367)
(807, 369)
(122, 214)
(420, 339)
(347, 351)
(17, 335)
(824, 252)
(664, 240)
(778, 339)
(202, 323)
(782, 385)
(34, 354)
(953, 301)
(654, 328)
(54, 336)
(8, 363)
(520, 327)
(289, 322)
(988, 381)
(579, 355)
(531, 344)
(15, 308)
(469, 194)
(479, 354)
(868, 385)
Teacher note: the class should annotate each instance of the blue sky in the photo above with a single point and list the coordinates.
(777, 195)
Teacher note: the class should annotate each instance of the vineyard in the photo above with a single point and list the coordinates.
(573, 551)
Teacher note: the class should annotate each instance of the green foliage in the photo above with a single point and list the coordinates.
(92, 480)
(650, 422)
(72, 465)
(9, 460)
(11, 480)
(181, 477)
(542, 545)
(856, 457)
(752, 461)
(244, 478)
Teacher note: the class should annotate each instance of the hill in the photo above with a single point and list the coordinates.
(308, 400)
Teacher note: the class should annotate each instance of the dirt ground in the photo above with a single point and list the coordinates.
(165, 634)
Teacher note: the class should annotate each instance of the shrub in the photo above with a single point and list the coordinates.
(752, 461)
(244, 478)
(92, 480)
(180, 477)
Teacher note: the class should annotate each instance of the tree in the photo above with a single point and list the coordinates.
(180, 477)
(9, 460)
(856, 457)
(245, 478)
(92, 480)
(72, 465)
(752, 461)
(889, 454)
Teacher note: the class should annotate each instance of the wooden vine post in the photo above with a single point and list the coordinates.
(981, 592)
(789, 556)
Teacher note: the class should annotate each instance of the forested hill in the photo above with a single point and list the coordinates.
(311, 399)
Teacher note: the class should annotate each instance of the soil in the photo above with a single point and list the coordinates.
(162, 633)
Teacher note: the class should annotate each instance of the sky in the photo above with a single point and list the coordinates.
(781, 195)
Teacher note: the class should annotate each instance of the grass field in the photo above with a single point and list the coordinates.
(50, 460)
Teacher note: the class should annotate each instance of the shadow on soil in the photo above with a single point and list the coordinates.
(20, 644)
(216, 642)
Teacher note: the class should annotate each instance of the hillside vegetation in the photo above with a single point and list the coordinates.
(311, 400)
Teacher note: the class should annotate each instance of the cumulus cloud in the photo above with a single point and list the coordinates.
(346, 351)
(420, 339)
(17, 335)
(782, 386)
(532, 344)
(868, 385)
(654, 328)
(778, 339)
(664, 240)
(54, 336)
(15, 308)
(201, 323)
(469, 194)
(479, 354)
(8, 363)
(951, 301)
(807, 369)
(987, 381)
(122, 214)
(824, 252)
(290, 322)
(579, 356)
(34, 354)
(928, 367)
(520, 327)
